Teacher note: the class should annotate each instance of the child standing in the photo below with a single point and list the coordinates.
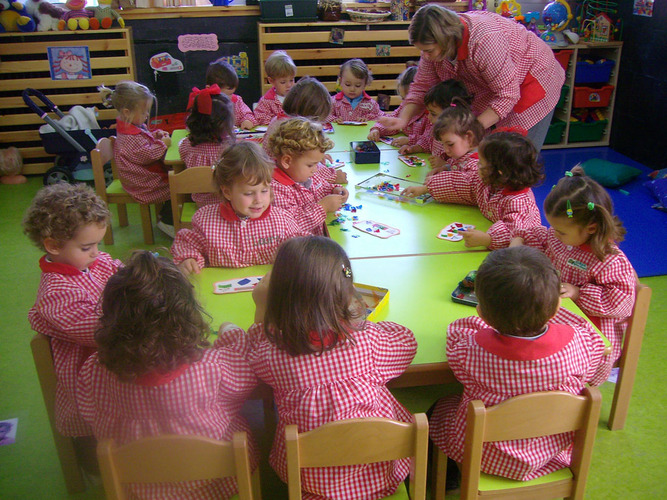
(211, 130)
(223, 74)
(312, 345)
(298, 146)
(402, 88)
(352, 103)
(280, 71)
(500, 187)
(68, 222)
(520, 343)
(138, 152)
(243, 230)
(582, 244)
(154, 373)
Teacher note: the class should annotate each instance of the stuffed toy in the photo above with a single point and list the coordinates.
(46, 15)
(76, 16)
(104, 16)
(15, 17)
(11, 164)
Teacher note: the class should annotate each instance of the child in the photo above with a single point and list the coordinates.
(508, 167)
(154, 373)
(211, 130)
(311, 344)
(223, 74)
(298, 146)
(243, 230)
(68, 222)
(281, 71)
(352, 103)
(138, 152)
(402, 88)
(582, 244)
(520, 343)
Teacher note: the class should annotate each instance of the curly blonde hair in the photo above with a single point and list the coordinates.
(296, 136)
(60, 210)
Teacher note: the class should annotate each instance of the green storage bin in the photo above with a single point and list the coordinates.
(586, 132)
(564, 92)
(555, 133)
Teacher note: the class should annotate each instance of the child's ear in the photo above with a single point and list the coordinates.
(284, 161)
(470, 137)
(51, 246)
(226, 192)
(592, 228)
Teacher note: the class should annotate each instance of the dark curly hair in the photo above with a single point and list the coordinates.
(442, 94)
(512, 161)
(151, 320)
(216, 127)
(222, 73)
(458, 118)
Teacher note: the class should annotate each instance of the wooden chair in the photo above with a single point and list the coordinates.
(627, 363)
(114, 193)
(359, 441)
(182, 185)
(43, 358)
(175, 458)
(521, 417)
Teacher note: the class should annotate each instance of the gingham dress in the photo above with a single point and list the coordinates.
(469, 162)
(67, 310)
(503, 65)
(429, 143)
(606, 288)
(204, 398)
(408, 130)
(241, 111)
(206, 154)
(494, 367)
(508, 210)
(344, 383)
(367, 109)
(219, 238)
(138, 155)
(268, 107)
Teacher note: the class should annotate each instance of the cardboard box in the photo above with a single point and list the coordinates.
(293, 11)
(376, 299)
(365, 152)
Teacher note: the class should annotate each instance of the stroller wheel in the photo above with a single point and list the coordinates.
(54, 175)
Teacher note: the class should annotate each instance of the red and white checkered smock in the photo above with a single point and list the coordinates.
(268, 106)
(408, 130)
(367, 109)
(494, 367)
(606, 288)
(469, 162)
(203, 398)
(206, 154)
(508, 210)
(219, 238)
(301, 201)
(241, 111)
(344, 383)
(503, 65)
(139, 156)
(68, 310)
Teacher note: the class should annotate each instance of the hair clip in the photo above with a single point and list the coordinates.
(347, 272)
(204, 102)
(453, 104)
(553, 187)
(568, 173)
(591, 205)
(569, 211)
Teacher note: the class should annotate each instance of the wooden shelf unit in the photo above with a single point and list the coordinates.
(24, 63)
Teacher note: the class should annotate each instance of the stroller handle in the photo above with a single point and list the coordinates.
(33, 106)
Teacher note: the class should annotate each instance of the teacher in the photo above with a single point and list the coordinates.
(512, 74)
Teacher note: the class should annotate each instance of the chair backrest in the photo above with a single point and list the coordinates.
(174, 458)
(100, 156)
(359, 441)
(184, 183)
(528, 416)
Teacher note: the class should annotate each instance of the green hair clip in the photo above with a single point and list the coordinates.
(569, 211)
(568, 173)
(591, 205)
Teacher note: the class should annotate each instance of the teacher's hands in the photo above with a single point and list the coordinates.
(397, 123)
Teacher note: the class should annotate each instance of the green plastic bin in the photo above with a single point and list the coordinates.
(586, 132)
(564, 92)
(555, 133)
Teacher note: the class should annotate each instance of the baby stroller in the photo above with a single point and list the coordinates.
(71, 147)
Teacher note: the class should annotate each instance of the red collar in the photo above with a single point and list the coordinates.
(60, 268)
(127, 128)
(462, 53)
(156, 378)
(524, 349)
(234, 98)
(228, 213)
(586, 248)
(509, 192)
(327, 340)
(280, 176)
(271, 94)
(339, 96)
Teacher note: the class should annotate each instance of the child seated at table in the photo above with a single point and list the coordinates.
(325, 362)
(281, 71)
(298, 146)
(520, 343)
(210, 131)
(67, 222)
(155, 373)
(244, 229)
(352, 103)
(223, 74)
(508, 167)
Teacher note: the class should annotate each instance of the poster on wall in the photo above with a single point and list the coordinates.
(239, 62)
(643, 8)
(69, 63)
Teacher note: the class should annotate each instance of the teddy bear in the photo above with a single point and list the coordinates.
(11, 164)
(104, 16)
(46, 15)
(15, 17)
(76, 16)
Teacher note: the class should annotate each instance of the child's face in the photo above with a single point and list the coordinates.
(139, 115)
(433, 112)
(282, 84)
(228, 90)
(82, 250)
(351, 86)
(569, 232)
(456, 145)
(303, 167)
(246, 200)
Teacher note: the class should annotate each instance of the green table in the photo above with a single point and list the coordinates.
(173, 157)
(344, 134)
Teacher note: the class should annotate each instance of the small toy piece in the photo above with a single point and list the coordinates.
(327, 128)
(76, 16)
(236, 285)
(104, 16)
(412, 161)
(453, 230)
(384, 185)
(464, 293)
(376, 228)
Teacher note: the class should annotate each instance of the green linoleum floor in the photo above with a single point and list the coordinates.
(627, 464)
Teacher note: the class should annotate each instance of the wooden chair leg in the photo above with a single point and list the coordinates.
(439, 474)
(122, 214)
(108, 236)
(146, 223)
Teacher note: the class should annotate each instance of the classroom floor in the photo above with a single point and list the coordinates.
(627, 464)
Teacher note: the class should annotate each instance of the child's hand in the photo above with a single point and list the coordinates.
(476, 238)
(374, 135)
(400, 142)
(166, 140)
(260, 295)
(341, 191)
(189, 266)
(161, 134)
(341, 177)
(568, 291)
(516, 241)
(246, 125)
(332, 202)
(328, 158)
(436, 161)
(413, 191)
(226, 326)
(436, 170)
(405, 150)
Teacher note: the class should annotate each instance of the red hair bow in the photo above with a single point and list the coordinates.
(516, 129)
(204, 103)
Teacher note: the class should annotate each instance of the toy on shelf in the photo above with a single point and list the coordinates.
(46, 15)
(586, 115)
(15, 17)
(556, 16)
(509, 8)
(76, 16)
(599, 21)
(476, 4)
(104, 16)
(11, 164)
